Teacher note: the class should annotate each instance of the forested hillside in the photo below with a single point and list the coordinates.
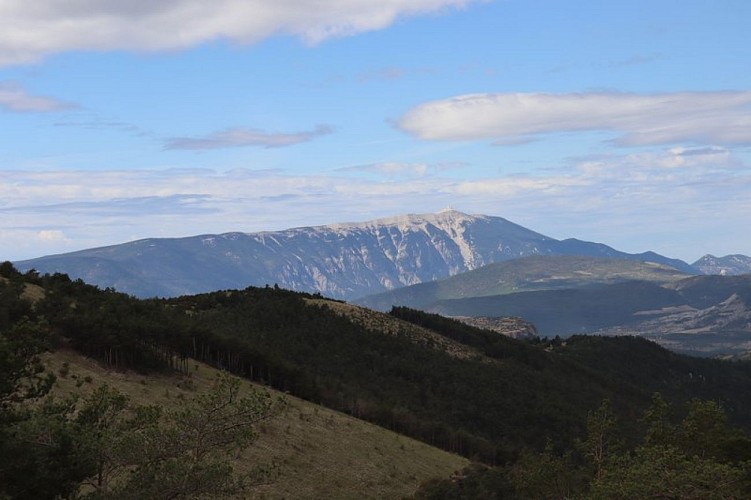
(509, 399)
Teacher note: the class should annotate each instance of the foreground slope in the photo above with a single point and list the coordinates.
(346, 260)
(314, 452)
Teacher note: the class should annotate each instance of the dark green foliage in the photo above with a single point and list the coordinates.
(490, 343)
(546, 474)
(37, 457)
(699, 457)
(22, 338)
(41, 456)
(530, 394)
(119, 451)
(666, 472)
(674, 460)
(518, 399)
(601, 442)
(150, 452)
(475, 482)
(9, 272)
(48, 450)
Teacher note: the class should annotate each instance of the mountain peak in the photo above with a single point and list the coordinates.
(728, 265)
(450, 209)
(440, 219)
(346, 260)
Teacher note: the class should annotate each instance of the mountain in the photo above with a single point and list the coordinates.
(720, 329)
(728, 265)
(345, 261)
(701, 315)
(565, 295)
(553, 272)
(565, 312)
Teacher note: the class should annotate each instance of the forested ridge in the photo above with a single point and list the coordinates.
(515, 401)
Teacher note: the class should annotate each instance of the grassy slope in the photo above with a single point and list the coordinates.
(320, 453)
(31, 292)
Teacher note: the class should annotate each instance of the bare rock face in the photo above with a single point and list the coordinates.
(510, 326)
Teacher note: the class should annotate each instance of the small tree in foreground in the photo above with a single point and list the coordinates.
(666, 472)
(180, 453)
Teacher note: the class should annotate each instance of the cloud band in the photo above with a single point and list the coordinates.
(636, 119)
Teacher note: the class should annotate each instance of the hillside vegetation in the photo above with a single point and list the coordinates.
(497, 404)
(309, 451)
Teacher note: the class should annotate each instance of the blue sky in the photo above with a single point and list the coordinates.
(627, 123)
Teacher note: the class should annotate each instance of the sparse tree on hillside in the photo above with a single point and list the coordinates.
(601, 441)
(179, 453)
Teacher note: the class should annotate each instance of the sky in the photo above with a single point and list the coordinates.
(622, 122)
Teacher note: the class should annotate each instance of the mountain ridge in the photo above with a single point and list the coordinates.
(727, 265)
(533, 273)
(343, 260)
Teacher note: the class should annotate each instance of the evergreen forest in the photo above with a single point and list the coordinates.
(584, 417)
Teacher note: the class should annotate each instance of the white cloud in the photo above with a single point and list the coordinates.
(240, 137)
(676, 162)
(634, 202)
(34, 29)
(51, 235)
(14, 98)
(635, 119)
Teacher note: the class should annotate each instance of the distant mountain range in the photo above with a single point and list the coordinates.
(526, 274)
(728, 265)
(561, 296)
(344, 261)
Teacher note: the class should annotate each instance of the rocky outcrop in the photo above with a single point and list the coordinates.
(510, 326)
